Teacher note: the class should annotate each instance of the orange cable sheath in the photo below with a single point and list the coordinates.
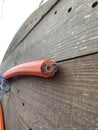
(1, 118)
(44, 68)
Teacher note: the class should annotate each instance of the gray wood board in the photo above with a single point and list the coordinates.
(61, 35)
(68, 101)
(30, 24)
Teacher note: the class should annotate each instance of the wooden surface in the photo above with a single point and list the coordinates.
(69, 101)
(30, 24)
(68, 33)
(59, 36)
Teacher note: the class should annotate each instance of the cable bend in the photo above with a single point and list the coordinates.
(43, 68)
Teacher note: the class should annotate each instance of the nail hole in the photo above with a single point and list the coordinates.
(18, 90)
(69, 9)
(23, 103)
(55, 12)
(94, 4)
(30, 129)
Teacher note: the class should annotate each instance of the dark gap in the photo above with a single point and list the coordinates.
(94, 4)
(23, 103)
(18, 90)
(69, 9)
(55, 12)
(30, 129)
(76, 57)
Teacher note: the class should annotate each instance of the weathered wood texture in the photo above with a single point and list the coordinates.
(69, 101)
(30, 24)
(60, 35)
(67, 32)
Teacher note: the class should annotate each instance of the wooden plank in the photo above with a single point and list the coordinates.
(60, 34)
(30, 24)
(69, 101)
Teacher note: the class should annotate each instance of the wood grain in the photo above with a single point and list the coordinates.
(59, 36)
(69, 101)
(66, 31)
(30, 24)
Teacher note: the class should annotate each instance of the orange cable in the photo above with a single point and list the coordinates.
(1, 118)
(44, 68)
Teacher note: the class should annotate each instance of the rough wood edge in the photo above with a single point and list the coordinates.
(33, 20)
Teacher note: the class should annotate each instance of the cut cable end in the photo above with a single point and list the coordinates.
(49, 68)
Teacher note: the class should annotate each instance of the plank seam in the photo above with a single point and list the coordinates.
(94, 53)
